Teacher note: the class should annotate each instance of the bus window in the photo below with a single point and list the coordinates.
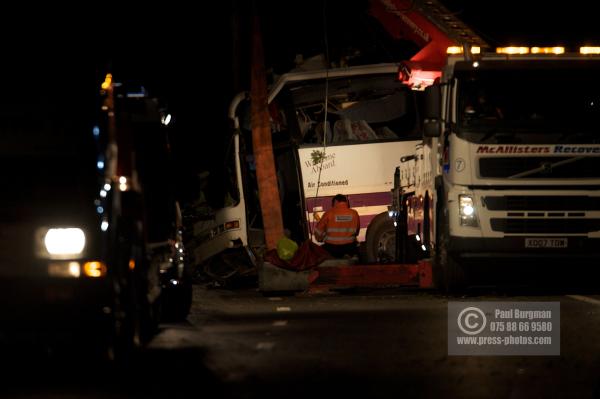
(359, 109)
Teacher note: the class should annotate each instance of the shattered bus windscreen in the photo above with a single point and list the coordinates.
(358, 110)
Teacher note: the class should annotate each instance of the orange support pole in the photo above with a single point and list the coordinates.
(263, 148)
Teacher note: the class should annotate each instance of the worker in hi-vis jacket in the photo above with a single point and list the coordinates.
(338, 228)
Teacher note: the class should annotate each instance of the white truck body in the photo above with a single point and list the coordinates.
(523, 183)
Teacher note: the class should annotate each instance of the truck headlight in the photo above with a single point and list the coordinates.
(466, 210)
(60, 243)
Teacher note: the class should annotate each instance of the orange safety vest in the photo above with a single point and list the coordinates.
(339, 225)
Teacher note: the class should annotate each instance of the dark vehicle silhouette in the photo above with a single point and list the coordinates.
(76, 218)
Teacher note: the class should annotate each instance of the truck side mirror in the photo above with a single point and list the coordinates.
(432, 124)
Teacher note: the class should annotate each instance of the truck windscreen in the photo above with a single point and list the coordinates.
(530, 102)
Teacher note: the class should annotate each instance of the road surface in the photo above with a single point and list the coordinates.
(362, 343)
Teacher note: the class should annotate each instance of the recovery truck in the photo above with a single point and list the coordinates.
(508, 166)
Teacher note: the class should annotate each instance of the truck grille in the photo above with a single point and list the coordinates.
(545, 226)
(504, 167)
(542, 203)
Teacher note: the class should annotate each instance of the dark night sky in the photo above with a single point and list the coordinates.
(536, 22)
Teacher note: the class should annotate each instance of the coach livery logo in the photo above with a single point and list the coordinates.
(320, 160)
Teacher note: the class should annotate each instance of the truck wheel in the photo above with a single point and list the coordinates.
(449, 273)
(125, 335)
(381, 240)
(135, 319)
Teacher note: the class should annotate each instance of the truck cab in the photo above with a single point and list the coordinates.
(508, 168)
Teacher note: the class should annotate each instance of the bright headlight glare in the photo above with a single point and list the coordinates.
(466, 209)
(65, 241)
(466, 205)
